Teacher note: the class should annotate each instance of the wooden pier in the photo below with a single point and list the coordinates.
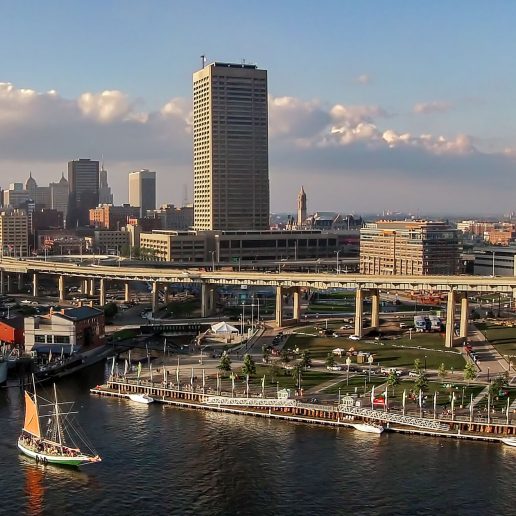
(320, 414)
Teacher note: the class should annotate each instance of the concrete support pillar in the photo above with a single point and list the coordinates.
(450, 320)
(92, 287)
(20, 282)
(375, 308)
(359, 312)
(127, 292)
(61, 284)
(279, 306)
(35, 285)
(296, 309)
(155, 297)
(102, 298)
(2, 282)
(8, 277)
(85, 286)
(207, 300)
(464, 312)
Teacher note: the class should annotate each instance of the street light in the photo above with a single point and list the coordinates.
(212, 260)
(348, 363)
(425, 362)
(493, 253)
(338, 263)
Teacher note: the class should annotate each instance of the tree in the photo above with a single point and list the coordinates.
(306, 359)
(418, 365)
(266, 354)
(285, 356)
(442, 371)
(393, 380)
(470, 372)
(110, 310)
(421, 382)
(249, 366)
(275, 371)
(330, 360)
(296, 374)
(225, 363)
(496, 385)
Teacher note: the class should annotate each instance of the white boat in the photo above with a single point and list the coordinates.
(141, 398)
(509, 441)
(369, 427)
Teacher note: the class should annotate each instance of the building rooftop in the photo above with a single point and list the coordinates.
(78, 314)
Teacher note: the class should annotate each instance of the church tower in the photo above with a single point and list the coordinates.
(301, 207)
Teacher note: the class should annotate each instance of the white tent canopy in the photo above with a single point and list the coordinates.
(223, 327)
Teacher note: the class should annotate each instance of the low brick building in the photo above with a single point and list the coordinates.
(70, 329)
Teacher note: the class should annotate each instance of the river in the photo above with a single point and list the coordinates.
(164, 460)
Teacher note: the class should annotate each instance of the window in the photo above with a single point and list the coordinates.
(39, 338)
(62, 339)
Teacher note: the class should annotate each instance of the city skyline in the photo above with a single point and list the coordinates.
(369, 110)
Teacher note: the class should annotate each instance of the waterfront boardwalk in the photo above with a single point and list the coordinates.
(346, 414)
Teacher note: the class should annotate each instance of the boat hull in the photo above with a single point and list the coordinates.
(368, 428)
(510, 441)
(44, 458)
(141, 398)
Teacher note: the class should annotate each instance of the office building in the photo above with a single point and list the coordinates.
(409, 247)
(301, 207)
(15, 196)
(171, 217)
(106, 216)
(83, 184)
(142, 190)
(59, 194)
(105, 195)
(230, 139)
(14, 232)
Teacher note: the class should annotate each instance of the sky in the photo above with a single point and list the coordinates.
(373, 106)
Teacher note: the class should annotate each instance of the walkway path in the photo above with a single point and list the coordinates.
(490, 361)
(479, 397)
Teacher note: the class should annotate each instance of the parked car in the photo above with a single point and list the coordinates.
(354, 337)
(334, 368)
(413, 374)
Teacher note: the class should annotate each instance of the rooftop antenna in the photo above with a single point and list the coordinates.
(203, 61)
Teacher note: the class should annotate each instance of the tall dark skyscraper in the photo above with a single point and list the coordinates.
(231, 154)
(83, 184)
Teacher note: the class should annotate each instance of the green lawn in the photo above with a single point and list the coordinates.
(387, 352)
(503, 338)
(356, 381)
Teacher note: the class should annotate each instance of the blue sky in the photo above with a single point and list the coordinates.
(380, 99)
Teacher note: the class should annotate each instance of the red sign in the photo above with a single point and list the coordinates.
(379, 401)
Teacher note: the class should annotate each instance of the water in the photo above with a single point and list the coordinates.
(163, 460)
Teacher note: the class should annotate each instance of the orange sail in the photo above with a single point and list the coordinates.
(31, 424)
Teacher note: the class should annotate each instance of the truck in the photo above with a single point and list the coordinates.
(435, 323)
(421, 323)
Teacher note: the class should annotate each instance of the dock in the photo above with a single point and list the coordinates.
(345, 414)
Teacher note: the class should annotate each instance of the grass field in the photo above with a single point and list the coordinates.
(386, 353)
(503, 338)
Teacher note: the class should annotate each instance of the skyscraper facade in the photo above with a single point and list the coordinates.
(301, 207)
(231, 157)
(105, 195)
(83, 184)
(142, 190)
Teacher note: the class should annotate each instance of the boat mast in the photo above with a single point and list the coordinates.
(59, 433)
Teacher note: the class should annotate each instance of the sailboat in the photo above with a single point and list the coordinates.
(58, 444)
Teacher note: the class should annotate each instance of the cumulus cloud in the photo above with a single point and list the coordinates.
(436, 106)
(363, 79)
(41, 131)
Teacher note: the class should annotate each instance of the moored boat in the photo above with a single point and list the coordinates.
(509, 441)
(141, 398)
(369, 428)
(58, 445)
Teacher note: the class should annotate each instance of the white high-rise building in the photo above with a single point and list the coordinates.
(231, 160)
(142, 190)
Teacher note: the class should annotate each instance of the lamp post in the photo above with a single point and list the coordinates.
(348, 363)
(212, 260)
(425, 362)
(338, 263)
(242, 322)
